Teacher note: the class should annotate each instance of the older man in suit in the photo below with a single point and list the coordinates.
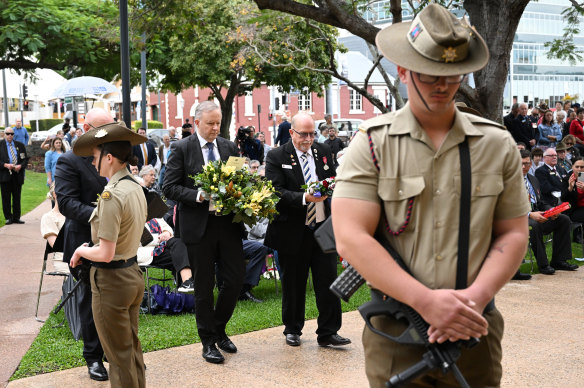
(77, 185)
(551, 178)
(209, 237)
(292, 233)
(559, 225)
(13, 161)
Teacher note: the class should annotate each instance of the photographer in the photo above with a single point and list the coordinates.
(248, 146)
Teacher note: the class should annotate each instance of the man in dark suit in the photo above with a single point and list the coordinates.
(283, 132)
(559, 225)
(146, 153)
(552, 178)
(522, 129)
(209, 237)
(508, 119)
(77, 185)
(13, 161)
(292, 232)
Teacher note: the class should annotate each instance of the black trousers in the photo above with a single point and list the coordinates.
(92, 350)
(174, 257)
(294, 277)
(221, 243)
(561, 243)
(11, 192)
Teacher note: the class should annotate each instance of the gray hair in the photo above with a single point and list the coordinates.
(205, 106)
(254, 162)
(146, 170)
(561, 114)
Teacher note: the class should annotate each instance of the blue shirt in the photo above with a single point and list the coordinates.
(545, 131)
(51, 162)
(21, 135)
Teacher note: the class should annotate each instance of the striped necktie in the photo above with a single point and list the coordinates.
(12, 153)
(145, 152)
(311, 209)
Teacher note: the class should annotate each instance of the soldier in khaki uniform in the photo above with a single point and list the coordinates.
(117, 222)
(418, 158)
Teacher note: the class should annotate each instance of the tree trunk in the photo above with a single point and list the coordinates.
(496, 21)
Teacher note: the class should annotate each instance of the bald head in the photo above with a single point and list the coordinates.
(96, 117)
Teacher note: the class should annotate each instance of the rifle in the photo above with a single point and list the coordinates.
(442, 356)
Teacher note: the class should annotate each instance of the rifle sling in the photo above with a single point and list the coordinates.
(464, 217)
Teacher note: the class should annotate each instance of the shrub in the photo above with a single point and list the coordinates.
(151, 124)
(44, 124)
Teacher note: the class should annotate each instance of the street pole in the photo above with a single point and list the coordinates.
(125, 60)
(259, 122)
(143, 71)
(5, 99)
(37, 106)
(21, 104)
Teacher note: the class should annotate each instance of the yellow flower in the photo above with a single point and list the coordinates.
(227, 170)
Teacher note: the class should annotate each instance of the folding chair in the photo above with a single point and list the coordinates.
(48, 251)
(147, 279)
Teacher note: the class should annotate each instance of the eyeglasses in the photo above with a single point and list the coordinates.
(569, 144)
(432, 79)
(304, 135)
(9, 133)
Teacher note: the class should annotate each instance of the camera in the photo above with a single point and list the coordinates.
(243, 132)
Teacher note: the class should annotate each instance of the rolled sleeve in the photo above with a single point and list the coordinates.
(110, 213)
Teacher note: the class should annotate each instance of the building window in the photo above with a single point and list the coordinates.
(305, 101)
(248, 104)
(355, 101)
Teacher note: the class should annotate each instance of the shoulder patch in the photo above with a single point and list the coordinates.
(106, 195)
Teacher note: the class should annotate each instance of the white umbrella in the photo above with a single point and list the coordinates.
(81, 86)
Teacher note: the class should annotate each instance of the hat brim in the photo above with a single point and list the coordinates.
(113, 132)
(393, 43)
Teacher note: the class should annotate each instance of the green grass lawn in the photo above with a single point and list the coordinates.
(55, 349)
(34, 191)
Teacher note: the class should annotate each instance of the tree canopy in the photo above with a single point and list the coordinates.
(77, 37)
(230, 47)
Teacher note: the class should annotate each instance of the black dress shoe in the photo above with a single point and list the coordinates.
(547, 270)
(8, 221)
(293, 339)
(226, 345)
(333, 340)
(19, 221)
(521, 276)
(97, 371)
(563, 266)
(249, 296)
(212, 355)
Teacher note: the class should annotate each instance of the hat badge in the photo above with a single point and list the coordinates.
(449, 54)
(101, 133)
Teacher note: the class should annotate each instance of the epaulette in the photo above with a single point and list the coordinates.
(482, 121)
(379, 121)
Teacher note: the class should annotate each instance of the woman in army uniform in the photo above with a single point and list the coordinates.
(116, 226)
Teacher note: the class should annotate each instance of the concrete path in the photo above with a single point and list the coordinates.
(543, 339)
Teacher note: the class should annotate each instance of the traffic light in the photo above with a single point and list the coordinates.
(277, 104)
(24, 91)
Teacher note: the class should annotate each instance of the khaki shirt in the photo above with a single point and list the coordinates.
(411, 167)
(120, 215)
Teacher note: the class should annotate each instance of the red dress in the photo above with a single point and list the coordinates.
(576, 129)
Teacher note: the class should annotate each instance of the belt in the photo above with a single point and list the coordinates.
(377, 295)
(115, 264)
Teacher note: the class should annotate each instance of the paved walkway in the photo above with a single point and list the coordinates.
(542, 345)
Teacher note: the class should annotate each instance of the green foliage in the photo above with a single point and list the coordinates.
(564, 48)
(78, 36)
(152, 124)
(44, 124)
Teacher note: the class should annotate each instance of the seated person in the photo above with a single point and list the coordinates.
(574, 193)
(136, 174)
(148, 175)
(51, 224)
(551, 178)
(559, 225)
(256, 253)
(536, 160)
(168, 252)
(563, 161)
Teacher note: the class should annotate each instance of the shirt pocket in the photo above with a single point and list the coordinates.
(485, 190)
(396, 194)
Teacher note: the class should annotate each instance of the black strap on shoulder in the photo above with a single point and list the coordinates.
(464, 219)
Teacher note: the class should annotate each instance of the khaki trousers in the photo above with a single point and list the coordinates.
(117, 294)
(480, 365)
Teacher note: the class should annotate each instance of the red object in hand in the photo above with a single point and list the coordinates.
(556, 210)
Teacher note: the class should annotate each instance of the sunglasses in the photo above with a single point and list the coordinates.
(9, 133)
(304, 135)
(432, 79)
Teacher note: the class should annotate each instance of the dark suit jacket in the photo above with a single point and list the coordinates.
(283, 133)
(285, 232)
(5, 158)
(522, 131)
(77, 185)
(137, 151)
(550, 182)
(187, 159)
(539, 205)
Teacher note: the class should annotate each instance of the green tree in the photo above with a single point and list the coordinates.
(495, 20)
(230, 47)
(78, 37)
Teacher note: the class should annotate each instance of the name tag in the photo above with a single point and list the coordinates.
(289, 167)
